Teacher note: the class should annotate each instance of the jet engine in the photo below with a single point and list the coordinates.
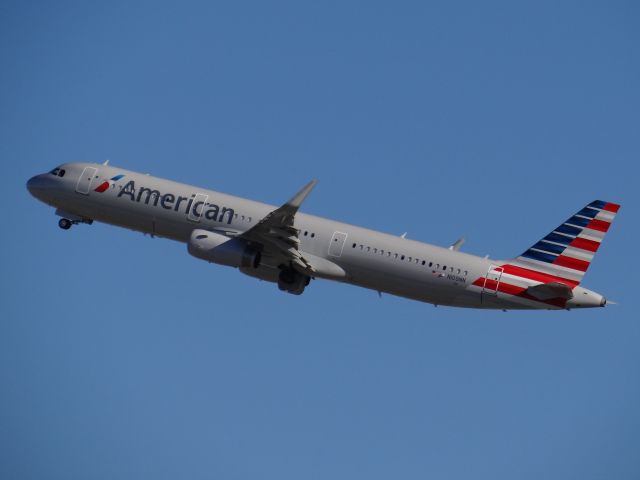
(216, 248)
(292, 281)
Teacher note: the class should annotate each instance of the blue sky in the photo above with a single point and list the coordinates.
(123, 357)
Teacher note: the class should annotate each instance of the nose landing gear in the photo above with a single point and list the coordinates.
(69, 219)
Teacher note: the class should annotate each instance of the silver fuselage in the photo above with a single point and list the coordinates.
(375, 260)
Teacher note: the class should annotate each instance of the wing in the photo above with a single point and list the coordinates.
(277, 235)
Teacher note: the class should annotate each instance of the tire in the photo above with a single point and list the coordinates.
(64, 224)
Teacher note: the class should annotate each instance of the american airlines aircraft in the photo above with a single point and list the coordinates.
(284, 246)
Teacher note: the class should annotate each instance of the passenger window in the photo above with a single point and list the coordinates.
(431, 264)
(458, 271)
(354, 246)
(313, 235)
(444, 267)
(368, 249)
(423, 262)
(402, 257)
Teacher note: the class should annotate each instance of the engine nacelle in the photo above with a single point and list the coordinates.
(217, 248)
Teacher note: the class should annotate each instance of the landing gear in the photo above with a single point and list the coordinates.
(292, 282)
(65, 223)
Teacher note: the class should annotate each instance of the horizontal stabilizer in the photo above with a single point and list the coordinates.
(547, 291)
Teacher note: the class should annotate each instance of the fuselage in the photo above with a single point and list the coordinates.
(371, 259)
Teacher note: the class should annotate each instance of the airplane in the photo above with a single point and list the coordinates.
(290, 248)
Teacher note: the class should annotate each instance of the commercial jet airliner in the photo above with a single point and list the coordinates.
(290, 248)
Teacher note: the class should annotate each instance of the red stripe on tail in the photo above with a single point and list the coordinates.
(611, 207)
(599, 225)
(585, 244)
(537, 276)
(571, 262)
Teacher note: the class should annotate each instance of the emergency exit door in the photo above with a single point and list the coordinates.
(337, 244)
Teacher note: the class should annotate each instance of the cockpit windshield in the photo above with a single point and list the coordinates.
(58, 172)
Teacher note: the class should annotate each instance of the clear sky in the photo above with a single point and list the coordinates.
(123, 357)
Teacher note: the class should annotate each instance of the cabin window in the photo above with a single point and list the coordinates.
(458, 271)
(402, 257)
(354, 246)
(368, 249)
(431, 264)
(423, 262)
(444, 267)
(313, 235)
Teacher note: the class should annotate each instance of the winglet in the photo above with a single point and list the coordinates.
(299, 197)
(458, 243)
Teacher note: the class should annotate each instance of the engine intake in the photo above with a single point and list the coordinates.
(216, 248)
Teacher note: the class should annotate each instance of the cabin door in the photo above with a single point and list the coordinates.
(492, 279)
(84, 182)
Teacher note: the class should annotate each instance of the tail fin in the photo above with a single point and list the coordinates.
(566, 253)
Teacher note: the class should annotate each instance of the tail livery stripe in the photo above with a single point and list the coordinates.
(585, 244)
(569, 249)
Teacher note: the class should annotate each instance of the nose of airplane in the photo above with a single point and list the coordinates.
(39, 185)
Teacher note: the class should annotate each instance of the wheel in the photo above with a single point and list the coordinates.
(64, 224)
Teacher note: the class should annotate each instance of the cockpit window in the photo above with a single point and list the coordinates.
(58, 172)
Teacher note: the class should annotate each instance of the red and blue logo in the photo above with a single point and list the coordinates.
(104, 186)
